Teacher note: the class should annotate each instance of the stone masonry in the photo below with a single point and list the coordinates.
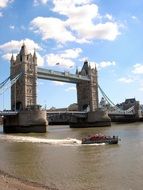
(87, 91)
(23, 92)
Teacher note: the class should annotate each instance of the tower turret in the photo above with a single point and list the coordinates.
(35, 57)
(87, 91)
(24, 94)
(12, 59)
(23, 50)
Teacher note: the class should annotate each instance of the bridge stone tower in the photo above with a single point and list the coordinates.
(29, 117)
(87, 99)
(87, 91)
(23, 92)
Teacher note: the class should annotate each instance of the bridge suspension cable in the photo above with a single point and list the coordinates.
(131, 109)
(6, 84)
(106, 97)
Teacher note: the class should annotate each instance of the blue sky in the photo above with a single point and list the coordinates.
(106, 33)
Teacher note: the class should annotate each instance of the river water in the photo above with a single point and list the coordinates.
(58, 159)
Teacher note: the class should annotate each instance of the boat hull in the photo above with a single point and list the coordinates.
(114, 141)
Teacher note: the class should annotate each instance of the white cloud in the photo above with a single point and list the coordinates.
(64, 59)
(102, 64)
(38, 2)
(56, 59)
(126, 80)
(7, 56)
(105, 64)
(134, 17)
(109, 17)
(80, 19)
(138, 68)
(12, 27)
(14, 46)
(58, 83)
(71, 53)
(52, 28)
(70, 89)
(73, 7)
(81, 23)
(40, 60)
(5, 3)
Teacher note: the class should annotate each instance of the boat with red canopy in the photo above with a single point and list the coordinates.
(99, 138)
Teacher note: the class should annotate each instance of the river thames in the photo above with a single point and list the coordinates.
(58, 159)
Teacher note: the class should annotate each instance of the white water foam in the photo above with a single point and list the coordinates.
(58, 142)
(67, 141)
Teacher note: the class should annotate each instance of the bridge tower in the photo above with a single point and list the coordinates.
(23, 92)
(87, 91)
(29, 118)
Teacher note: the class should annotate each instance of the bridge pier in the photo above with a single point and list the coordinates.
(97, 118)
(26, 121)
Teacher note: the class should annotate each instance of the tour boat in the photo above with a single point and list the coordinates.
(98, 138)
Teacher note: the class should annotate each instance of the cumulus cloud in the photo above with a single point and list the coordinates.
(15, 46)
(39, 2)
(134, 17)
(126, 80)
(58, 83)
(81, 23)
(56, 59)
(72, 88)
(105, 64)
(138, 68)
(102, 64)
(51, 28)
(5, 3)
(12, 27)
(64, 59)
(40, 60)
(7, 56)
(109, 16)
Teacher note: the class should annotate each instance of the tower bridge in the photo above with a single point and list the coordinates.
(30, 118)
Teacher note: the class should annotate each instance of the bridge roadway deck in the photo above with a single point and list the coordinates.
(120, 114)
(8, 112)
(60, 76)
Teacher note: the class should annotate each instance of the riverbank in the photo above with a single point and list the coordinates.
(8, 182)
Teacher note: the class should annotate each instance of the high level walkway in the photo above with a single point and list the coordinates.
(60, 76)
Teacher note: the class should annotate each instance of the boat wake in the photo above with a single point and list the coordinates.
(67, 141)
(57, 142)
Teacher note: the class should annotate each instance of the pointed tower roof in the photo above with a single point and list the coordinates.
(76, 70)
(23, 50)
(12, 57)
(34, 54)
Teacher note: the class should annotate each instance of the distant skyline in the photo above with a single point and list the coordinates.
(106, 33)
